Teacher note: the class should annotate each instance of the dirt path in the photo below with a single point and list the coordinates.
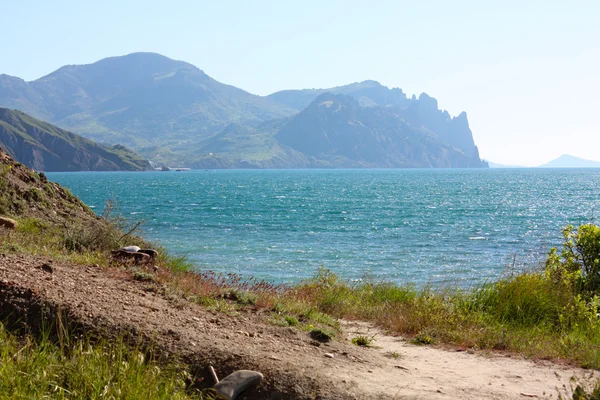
(426, 372)
(295, 367)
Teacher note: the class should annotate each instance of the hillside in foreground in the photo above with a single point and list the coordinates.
(61, 293)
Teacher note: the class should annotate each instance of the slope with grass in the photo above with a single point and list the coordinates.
(44, 147)
(63, 297)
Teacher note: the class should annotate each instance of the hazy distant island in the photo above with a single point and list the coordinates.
(172, 113)
(568, 161)
(564, 161)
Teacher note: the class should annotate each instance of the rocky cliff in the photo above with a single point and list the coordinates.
(337, 128)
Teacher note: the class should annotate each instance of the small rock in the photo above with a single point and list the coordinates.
(151, 252)
(370, 371)
(232, 385)
(8, 223)
(329, 355)
(130, 249)
(46, 267)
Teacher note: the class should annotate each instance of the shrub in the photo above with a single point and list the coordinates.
(363, 340)
(578, 266)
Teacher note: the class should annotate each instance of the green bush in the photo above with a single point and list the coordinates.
(578, 266)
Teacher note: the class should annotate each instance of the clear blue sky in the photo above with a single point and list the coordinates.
(526, 72)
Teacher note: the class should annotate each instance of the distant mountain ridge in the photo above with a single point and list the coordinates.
(336, 126)
(44, 147)
(138, 100)
(172, 112)
(568, 161)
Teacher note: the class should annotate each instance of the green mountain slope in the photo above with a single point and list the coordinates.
(139, 100)
(44, 147)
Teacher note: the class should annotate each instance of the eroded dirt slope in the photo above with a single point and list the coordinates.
(107, 301)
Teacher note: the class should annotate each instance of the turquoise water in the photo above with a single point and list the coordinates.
(422, 226)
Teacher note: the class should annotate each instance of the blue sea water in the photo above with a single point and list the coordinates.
(420, 226)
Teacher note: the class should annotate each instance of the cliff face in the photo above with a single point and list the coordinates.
(455, 131)
(44, 147)
(336, 126)
(422, 112)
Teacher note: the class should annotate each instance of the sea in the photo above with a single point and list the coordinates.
(457, 227)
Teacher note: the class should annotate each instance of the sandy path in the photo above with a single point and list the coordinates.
(426, 372)
(295, 367)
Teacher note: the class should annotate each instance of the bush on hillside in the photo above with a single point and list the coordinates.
(578, 265)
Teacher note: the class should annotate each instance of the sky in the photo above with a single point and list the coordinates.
(526, 72)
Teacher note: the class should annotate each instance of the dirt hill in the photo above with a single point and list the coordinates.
(46, 281)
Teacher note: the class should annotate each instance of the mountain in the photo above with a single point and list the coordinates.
(336, 129)
(368, 93)
(247, 146)
(420, 112)
(139, 100)
(44, 147)
(568, 161)
(174, 114)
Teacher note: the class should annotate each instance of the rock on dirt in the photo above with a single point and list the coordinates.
(8, 223)
(234, 384)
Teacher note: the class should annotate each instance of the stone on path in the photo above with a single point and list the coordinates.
(232, 385)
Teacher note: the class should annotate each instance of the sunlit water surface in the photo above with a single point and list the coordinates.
(421, 226)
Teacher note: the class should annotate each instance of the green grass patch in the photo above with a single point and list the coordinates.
(35, 369)
(363, 340)
(322, 334)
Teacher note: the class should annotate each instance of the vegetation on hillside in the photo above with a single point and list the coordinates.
(549, 312)
(77, 369)
(45, 147)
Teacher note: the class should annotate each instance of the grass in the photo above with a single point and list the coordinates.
(322, 334)
(363, 340)
(528, 313)
(537, 313)
(81, 370)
